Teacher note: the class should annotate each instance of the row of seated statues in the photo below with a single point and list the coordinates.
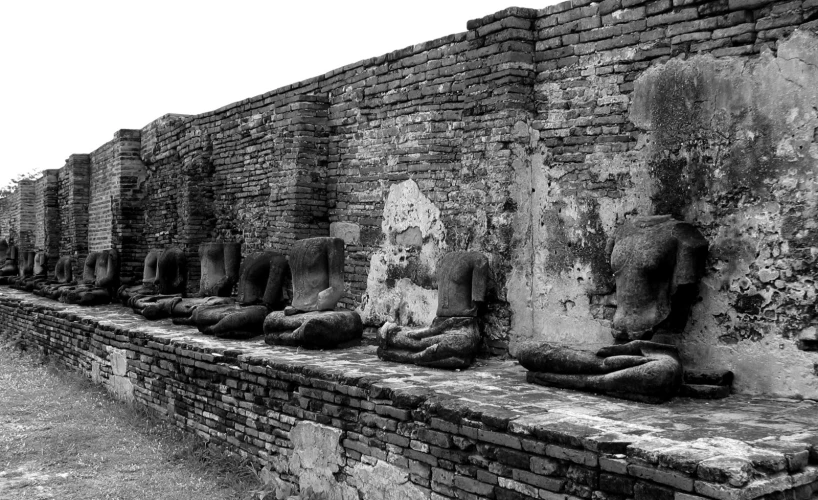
(292, 300)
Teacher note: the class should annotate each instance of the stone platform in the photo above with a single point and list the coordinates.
(344, 421)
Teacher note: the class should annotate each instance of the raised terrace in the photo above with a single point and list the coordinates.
(480, 433)
(557, 157)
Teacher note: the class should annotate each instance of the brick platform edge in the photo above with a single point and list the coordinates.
(321, 431)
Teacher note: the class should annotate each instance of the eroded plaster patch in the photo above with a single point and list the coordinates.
(316, 458)
(318, 462)
(401, 281)
(118, 383)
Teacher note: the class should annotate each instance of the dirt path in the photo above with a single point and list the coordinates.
(62, 437)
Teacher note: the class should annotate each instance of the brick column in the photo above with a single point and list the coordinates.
(72, 199)
(47, 214)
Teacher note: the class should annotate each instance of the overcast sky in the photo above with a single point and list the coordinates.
(76, 71)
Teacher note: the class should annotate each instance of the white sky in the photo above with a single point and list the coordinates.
(76, 71)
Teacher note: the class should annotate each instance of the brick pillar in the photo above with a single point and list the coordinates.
(128, 221)
(305, 144)
(72, 199)
(497, 146)
(25, 217)
(47, 214)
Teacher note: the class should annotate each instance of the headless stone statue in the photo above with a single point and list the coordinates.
(164, 276)
(317, 266)
(63, 277)
(9, 268)
(4, 254)
(25, 271)
(639, 370)
(106, 282)
(40, 274)
(86, 282)
(148, 284)
(260, 288)
(657, 264)
(219, 273)
(454, 336)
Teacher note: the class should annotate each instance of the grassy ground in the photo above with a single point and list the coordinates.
(62, 437)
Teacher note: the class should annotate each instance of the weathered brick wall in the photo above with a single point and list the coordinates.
(24, 219)
(116, 212)
(73, 200)
(47, 214)
(530, 137)
(6, 216)
(101, 197)
(319, 426)
(128, 224)
(178, 208)
(679, 108)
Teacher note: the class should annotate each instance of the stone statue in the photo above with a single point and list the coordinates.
(63, 277)
(40, 274)
(148, 284)
(219, 273)
(164, 275)
(4, 252)
(639, 370)
(261, 283)
(87, 280)
(657, 263)
(25, 270)
(106, 282)
(454, 336)
(9, 268)
(312, 321)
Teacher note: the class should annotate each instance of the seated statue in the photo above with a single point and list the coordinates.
(25, 270)
(63, 276)
(148, 284)
(9, 268)
(164, 276)
(454, 337)
(106, 282)
(657, 263)
(89, 269)
(261, 284)
(40, 274)
(219, 273)
(639, 370)
(312, 321)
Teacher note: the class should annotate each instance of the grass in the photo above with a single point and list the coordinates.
(63, 437)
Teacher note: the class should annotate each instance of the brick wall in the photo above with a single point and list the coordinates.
(24, 218)
(101, 197)
(6, 216)
(47, 214)
(73, 201)
(116, 214)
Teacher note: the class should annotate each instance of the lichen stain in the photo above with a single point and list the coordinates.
(401, 284)
(730, 146)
